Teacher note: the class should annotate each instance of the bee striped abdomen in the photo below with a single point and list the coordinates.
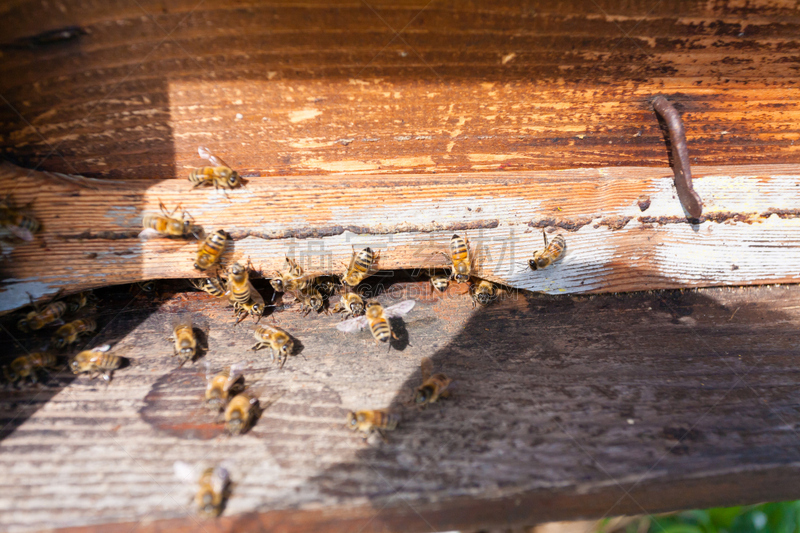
(85, 325)
(386, 420)
(458, 248)
(43, 360)
(381, 329)
(202, 175)
(359, 268)
(27, 222)
(107, 361)
(211, 250)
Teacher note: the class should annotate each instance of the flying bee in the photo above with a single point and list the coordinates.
(220, 175)
(361, 266)
(552, 252)
(377, 318)
(213, 286)
(213, 487)
(433, 386)
(166, 224)
(440, 282)
(185, 341)
(351, 304)
(96, 361)
(224, 385)
(483, 293)
(68, 333)
(275, 338)
(376, 420)
(461, 259)
(210, 250)
(39, 319)
(27, 365)
(241, 413)
(18, 221)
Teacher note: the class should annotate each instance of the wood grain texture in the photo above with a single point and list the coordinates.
(309, 88)
(565, 407)
(625, 229)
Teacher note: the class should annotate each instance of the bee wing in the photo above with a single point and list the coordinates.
(220, 478)
(22, 233)
(103, 348)
(148, 233)
(353, 324)
(209, 372)
(236, 371)
(399, 309)
(206, 154)
(186, 472)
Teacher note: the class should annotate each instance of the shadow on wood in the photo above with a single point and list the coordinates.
(618, 394)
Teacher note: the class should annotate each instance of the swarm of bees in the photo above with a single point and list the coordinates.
(226, 395)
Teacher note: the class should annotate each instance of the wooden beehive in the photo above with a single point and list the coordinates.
(395, 126)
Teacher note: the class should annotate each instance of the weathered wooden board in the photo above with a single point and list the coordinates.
(288, 87)
(624, 227)
(565, 406)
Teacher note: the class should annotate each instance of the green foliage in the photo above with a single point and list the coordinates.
(781, 517)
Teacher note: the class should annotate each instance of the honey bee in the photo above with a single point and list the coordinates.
(351, 304)
(213, 286)
(27, 365)
(210, 250)
(440, 282)
(39, 319)
(241, 413)
(552, 252)
(275, 338)
(254, 307)
(76, 302)
(68, 333)
(377, 420)
(238, 284)
(361, 266)
(224, 385)
(96, 360)
(483, 293)
(213, 487)
(185, 342)
(220, 175)
(378, 319)
(461, 259)
(165, 224)
(18, 221)
(433, 386)
(293, 281)
(311, 299)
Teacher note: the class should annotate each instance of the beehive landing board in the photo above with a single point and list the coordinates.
(565, 407)
(625, 228)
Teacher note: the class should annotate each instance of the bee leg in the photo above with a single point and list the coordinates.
(283, 361)
(382, 435)
(444, 394)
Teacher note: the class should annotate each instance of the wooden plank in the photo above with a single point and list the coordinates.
(624, 228)
(563, 404)
(289, 88)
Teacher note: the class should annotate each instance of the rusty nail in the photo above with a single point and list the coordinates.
(689, 198)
